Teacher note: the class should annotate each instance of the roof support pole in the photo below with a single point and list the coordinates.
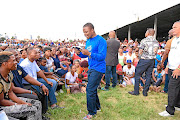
(155, 26)
(129, 33)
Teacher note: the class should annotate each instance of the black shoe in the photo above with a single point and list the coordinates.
(132, 93)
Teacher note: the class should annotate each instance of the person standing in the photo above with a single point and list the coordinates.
(111, 60)
(148, 49)
(95, 50)
(174, 73)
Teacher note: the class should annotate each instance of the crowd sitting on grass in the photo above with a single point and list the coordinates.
(44, 68)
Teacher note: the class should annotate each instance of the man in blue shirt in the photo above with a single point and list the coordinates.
(95, 50)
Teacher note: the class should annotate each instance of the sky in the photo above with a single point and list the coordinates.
(62, 19)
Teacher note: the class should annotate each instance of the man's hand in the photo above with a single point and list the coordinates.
(162, 65)
(45, 90)
(50, 83)
(85, 52)
(29, 104)
(176, 73)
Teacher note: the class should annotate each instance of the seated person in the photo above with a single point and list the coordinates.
(48, 74)
(23, 53)
(12, 105)
(129, 73)
(30, 66)
(61, 69)
(84, 65)
(142, 82)
(119, 73)
(158, 76)
(27, 91)
(49, 60)
(78, 67)
(71, 80)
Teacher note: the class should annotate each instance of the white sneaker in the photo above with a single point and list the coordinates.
(165, 114)
(56, 94)
(176, 108)
(61, 91)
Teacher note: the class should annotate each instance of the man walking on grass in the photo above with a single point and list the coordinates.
(95, 50)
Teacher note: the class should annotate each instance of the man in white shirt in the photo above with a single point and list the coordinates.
(174, 72)
(30, 66)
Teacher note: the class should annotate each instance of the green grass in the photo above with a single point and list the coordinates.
(116, 104)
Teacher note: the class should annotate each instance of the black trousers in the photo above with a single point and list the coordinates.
(43, 98)
(173, 93)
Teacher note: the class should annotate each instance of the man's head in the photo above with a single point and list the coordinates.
(47, 51)
(170, 33)
(149, 32)
(15, 53)
(7, 60)
(88, 30)
(32, 53)
(176, 29)
(112, 34)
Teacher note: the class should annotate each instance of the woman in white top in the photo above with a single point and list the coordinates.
(70, 78)
(121, 56)
(130, 55)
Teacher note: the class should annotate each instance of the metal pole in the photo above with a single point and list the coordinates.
(129, 33)
(155, 26)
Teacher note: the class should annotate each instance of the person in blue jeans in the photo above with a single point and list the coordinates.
(95, 50)
(111, 60)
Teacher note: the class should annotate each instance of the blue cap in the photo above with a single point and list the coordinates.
(129, 61)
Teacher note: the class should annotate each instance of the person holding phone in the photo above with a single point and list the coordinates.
(95, 50)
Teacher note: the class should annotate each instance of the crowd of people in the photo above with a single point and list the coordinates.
(32, 74)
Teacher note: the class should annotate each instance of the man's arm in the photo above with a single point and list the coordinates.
(14, 98)
(164, 57)
(19, 90)
(41, 74)
(4, 102)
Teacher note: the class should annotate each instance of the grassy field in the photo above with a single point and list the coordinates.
(116, 104)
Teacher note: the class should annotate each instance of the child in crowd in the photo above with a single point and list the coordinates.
(129, 73)
(158, 76)
(119, 72)
(48, 74)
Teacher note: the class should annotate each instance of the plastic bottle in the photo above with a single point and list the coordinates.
(68, 89)
(51, 70)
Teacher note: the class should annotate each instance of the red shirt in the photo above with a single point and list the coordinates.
(119, 68)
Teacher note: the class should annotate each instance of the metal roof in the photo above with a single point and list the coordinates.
(165, 20)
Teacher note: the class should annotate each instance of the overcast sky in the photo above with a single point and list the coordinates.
(60, 19)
